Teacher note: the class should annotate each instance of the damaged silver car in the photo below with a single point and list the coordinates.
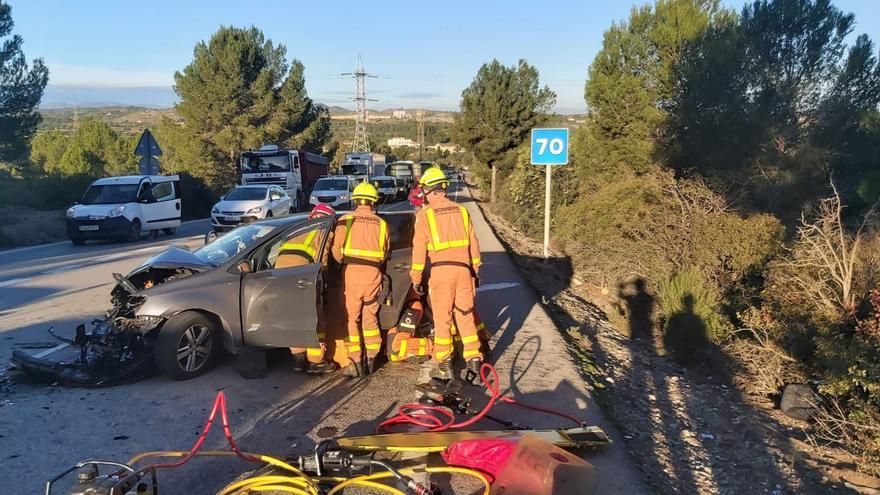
(177, 311)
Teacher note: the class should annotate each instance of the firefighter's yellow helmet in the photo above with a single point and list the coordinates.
(433, 177)
(365, 191)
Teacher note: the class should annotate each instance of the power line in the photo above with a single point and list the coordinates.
(360, 144)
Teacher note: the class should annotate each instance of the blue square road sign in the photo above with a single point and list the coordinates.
(549, 146)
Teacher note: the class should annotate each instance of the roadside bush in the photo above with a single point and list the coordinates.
(654, 226)
(819, 318)
(691, 314)
(43, 193)
(521, 194)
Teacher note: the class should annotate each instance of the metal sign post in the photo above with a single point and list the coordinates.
(549, 147)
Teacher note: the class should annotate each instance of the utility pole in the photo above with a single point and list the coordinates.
(420, 118)
(360, 144)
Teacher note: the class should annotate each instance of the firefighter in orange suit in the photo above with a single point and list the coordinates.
(303, 250)
(445, 235)
(361, 246)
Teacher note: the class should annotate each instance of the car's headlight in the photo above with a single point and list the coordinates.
(147, 322)
(70, 213)
(255, 210)
(312, 198)
(116, 212)
(216, 211)
(343, 196)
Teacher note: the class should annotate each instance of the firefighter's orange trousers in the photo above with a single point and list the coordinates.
(451, 291)
(361, 285)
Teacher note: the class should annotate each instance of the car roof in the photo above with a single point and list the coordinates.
(254, 186)
(135, 179)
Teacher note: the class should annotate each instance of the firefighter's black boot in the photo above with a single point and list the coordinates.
(371, 365)
(354, 370)
(444, 370)
(300, 362)
(471, 374)
(321, 368)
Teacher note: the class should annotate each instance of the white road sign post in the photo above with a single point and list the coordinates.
(549, 148)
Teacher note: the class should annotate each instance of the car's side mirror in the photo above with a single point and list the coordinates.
(246, 266)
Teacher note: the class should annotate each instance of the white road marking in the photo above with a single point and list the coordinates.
(64, 269)
(496, 286)
(11, 281)
(45, 353)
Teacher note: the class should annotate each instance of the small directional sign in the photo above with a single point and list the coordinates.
(549, 146)
(148, 148)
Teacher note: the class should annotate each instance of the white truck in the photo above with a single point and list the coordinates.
(295, 171)
(363, 165)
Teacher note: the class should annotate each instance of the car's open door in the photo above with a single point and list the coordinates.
(279, 298)
(400, 228)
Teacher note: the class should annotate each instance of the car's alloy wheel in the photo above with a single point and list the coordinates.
(186, 345)
(194, 348)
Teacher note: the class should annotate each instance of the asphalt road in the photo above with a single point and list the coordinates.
(44, 428)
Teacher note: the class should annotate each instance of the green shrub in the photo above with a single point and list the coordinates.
(691, 312)
(521, 195)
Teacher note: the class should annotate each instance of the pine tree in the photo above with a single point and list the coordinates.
(498, 110)
(21, 88)
(238, 93)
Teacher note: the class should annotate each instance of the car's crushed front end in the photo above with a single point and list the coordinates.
(115, 349)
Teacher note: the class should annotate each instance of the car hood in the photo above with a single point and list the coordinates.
(172, 258)
(239, 205)
(93, 210)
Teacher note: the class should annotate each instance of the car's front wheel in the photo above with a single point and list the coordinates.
(134, 231)
(186, 346)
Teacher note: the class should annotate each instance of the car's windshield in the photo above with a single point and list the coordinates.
(232, 243)
(355, 169)
(384, 183)
(110, 194)
(246, 194)
(277, 163)
(331, 185)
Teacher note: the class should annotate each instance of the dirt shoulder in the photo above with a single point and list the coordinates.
(21, 226)
(688, 428)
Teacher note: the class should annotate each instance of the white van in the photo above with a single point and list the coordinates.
(124, 207)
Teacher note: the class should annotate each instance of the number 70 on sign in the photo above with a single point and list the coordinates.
(549, 146)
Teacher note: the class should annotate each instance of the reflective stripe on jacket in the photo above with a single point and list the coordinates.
(363, 235)
(305, 246)
(444, 232)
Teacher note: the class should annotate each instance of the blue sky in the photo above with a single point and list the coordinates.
(424, 53)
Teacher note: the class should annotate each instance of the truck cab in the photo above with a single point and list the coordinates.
(295, 171)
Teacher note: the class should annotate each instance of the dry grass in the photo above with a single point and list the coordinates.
(26, 226)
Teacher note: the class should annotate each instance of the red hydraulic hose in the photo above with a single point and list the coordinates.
(422, 416)
(219, 405)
